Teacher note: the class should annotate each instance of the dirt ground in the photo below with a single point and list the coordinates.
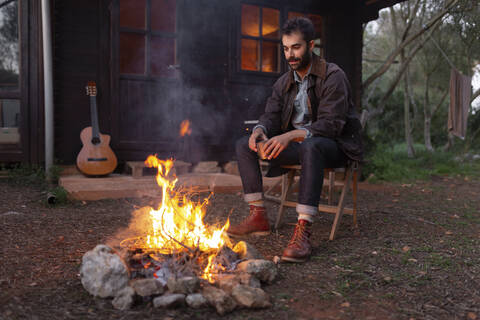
(416, 255)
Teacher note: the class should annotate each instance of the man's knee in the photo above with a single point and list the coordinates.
(316, 146)
(241, 145)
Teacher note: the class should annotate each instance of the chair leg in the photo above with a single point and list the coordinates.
(331, 187)
(354, 196)
(287, 181)
(267, 194)
(341, 204)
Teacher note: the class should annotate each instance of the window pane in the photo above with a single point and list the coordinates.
(271, 23)
(9, 121)
(9, 45)
(270, 51)
(317, 23)
(132, 13)
(132, 53)
(250, 20)
(163, 15)
(292, 14)
(250, 54)
(163, 57)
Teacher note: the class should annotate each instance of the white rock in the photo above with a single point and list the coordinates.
(103, 273)
(124, 299)
(181, 167)
(251, 297)
(169, 300)
(249, 280)
(207, 167)
(226, 282)
(147, 287)
(218, 298)
(231, 168)
(264, 270)
(196, 300)
(183, 285)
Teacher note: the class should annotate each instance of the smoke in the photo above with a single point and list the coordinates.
(196, 80)
(140, 225)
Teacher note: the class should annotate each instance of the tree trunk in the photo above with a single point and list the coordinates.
(427, 117)
(406, 110)
(385, 66)
(450, 142)
(373, 112)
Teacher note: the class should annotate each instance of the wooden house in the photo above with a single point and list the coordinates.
(157, 63)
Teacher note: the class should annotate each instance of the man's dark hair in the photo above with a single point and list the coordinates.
(299, 24)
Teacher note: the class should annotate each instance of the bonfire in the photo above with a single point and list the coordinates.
(174, 258)
(178, 234)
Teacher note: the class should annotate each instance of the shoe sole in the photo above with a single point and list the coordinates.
(255, 234)
(288, 259)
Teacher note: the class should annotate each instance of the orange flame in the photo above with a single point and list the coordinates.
(185, 128)
(178, 222)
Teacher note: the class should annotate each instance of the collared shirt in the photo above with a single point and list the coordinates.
(301, 115)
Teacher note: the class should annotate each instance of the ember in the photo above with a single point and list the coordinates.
(185, 128)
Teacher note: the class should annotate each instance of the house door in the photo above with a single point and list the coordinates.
(146, 88)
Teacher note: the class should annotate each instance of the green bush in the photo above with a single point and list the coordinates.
(391, 163)
(32, 175)
(22, 174)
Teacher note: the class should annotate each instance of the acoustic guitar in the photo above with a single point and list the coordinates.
(96, 158)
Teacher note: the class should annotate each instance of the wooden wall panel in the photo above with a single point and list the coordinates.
(143, 117)
(76, 54)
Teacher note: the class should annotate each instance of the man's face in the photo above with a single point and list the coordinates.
(297, 52)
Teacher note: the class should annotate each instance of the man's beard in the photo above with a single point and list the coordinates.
(304, 61)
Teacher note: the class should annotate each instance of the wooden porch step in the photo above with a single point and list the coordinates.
(138, 168)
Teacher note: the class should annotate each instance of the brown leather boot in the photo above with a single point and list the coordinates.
(255, 224)
(299, 248)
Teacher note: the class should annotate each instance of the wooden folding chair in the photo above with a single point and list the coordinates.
(349, 176)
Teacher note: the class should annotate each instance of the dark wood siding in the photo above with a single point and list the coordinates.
(76, 59)
(143, 116)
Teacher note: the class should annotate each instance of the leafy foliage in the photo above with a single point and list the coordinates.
(34, 176)
(455, 42)
(391, 163)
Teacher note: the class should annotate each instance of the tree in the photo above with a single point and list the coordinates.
(425, 76)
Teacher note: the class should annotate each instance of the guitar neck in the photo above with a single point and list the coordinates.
(94, 117)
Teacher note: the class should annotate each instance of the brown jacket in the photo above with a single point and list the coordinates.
(333, 112)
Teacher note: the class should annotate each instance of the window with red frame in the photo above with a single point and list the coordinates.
(147, 39)
(260, 39)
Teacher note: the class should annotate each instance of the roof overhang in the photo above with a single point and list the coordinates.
(372, 7)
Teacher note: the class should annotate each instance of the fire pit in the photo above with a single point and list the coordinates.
(176, 259)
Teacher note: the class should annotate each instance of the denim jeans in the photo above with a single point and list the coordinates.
(314, 154)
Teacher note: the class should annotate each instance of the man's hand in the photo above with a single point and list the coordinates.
(276, 145)
(257, 135)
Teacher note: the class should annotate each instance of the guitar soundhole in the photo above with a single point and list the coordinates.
(95, 140)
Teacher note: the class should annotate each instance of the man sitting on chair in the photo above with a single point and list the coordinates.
(310, 120)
